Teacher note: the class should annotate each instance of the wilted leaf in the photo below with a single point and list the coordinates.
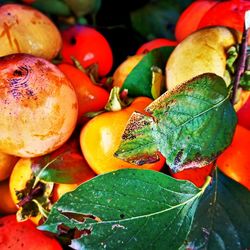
(222, 220)
(190, 125)
(127, 209)
(139, 81)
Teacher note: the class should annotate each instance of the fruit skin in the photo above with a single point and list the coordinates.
(88, 46)
(7, 206)
(243, 113)
(125, 68)
(235, 161)
(38, 106)
(154, 44)
(202, 52)
(91, 97)
(105, 130)
(61, 189)
(189, 19)
(226, 13)
(196, 175)
(7, 162)
(26, 30)
(24, 235)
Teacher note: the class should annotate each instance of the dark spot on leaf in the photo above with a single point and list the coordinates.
(177, 159)
(122, 216)
(72, 41)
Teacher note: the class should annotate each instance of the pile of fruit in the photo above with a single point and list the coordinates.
(143, 151)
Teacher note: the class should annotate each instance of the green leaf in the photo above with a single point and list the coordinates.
(158, 18)
(245, 80)
(127, 209)
(139, 81)
(222, 220)
(57, 8)
(190, 125)
(64, 165)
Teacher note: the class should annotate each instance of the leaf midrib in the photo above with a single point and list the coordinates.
(151, 214)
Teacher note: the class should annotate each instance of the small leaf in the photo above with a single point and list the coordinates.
(245, 80)
(127, 209)
(139, 81)
(158, 82)
(222, 219)
(190, 125)
(65, 165)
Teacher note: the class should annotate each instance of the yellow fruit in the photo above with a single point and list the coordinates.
(26, 30)
(201, 52)
(7, 162)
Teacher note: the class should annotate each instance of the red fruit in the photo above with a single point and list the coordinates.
(196, 175)
(235, 161)
(190, 18)
(244, 115)
(226, 13)
(156, 43)
(91, 97)
(88, 46)
(24, 235)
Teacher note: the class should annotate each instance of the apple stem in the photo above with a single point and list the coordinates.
(241, 63)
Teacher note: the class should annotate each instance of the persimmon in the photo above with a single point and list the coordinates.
(25, 29)
(243, 110)
(61, 189)
(235, 161)
(38, 106)
(7, 162)
(20, 179)
(189, 19)
(7, 206)
(91, 97)
(24, 235)
(101, 137)
(88, 46)
(195, 175)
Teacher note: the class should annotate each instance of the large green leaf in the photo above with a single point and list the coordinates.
(190, 125)
(139, 81)
(127, 209)
(222, 220)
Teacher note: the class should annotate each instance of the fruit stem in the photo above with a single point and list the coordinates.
(241, 63)
(207, 182)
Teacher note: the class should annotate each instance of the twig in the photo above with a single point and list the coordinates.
(241, 63)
